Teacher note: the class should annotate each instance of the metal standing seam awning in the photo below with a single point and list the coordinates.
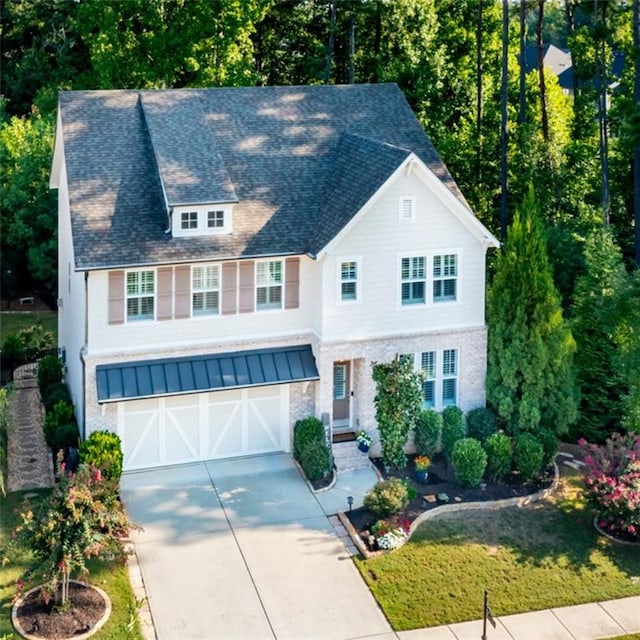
(197, 374)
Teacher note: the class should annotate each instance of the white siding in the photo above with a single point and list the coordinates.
(203, 331)
(72, 302)
(380, 240)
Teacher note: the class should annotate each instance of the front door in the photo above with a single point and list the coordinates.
(341, 396)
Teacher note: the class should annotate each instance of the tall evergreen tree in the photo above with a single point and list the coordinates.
(530, 378)
(597, 311)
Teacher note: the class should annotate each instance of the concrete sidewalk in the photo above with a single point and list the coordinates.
(581, 622)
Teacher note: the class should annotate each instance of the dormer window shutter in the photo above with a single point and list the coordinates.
(292, 283)
(229, 288)
(165, 293)
(116, 297)
(183, 292)
(247, 286)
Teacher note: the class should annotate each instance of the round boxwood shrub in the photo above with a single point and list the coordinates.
(453, 429)
(55, 393)
(305, 431)
(499, 450)
(60, 414)
(315, 460)
(528, 455)
(469, 461)
(49, 372)
(103, 450)
(428, 432)
(550, 445)
(481, 423)
(387, 497)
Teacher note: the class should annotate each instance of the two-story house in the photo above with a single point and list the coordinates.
(234, 259)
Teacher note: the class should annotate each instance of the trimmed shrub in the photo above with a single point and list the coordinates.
(103, 450)
(55, 393)
(305, 431)
(550, 445)
(66, 435)
(49, 372)
(452, 429)
(387, 498)
(428, 432)
(528, 455)
(469, 461)
(60, 414)
(499, 450)
(481, 423)
(315, 460)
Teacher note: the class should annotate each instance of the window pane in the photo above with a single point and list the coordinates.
(133, 307)
(275, 271)
(428, 392)
(418, 268)
(450, 289)
(405, 268)
(449, 362)
(348, 271)
(339, 383)
(146, 308)
(261, 296)
(428, 363)
(449, 392)
(132, 282)
(348, 290)
(275, 295)
(417, 292)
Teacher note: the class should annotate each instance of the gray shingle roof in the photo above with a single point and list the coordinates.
(301, 162)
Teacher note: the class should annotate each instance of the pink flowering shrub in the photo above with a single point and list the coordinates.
(612, 482)
(82, 518)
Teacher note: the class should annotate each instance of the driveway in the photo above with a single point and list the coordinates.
(242, 549)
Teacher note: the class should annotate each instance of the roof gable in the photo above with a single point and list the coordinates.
(280, 151)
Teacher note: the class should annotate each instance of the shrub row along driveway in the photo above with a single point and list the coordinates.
(242, 549)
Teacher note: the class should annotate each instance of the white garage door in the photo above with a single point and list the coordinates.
(204, 426)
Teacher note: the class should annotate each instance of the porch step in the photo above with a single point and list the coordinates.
(346, 456)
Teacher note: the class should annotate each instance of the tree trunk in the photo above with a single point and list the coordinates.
(543, 89)
(522, 114)
(479, 97)
(352, 47)
(503, 129)
(332, 40)
(600, 41)
(636, 155)
(570, 11)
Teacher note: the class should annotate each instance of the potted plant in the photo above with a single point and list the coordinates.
(364, 440)
(422, 465)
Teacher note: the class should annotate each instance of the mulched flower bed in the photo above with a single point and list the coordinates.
(42, 620)
(441, 480)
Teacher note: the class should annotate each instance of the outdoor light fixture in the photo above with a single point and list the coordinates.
(350, 501)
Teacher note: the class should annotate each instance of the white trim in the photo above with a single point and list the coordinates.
(358, 280)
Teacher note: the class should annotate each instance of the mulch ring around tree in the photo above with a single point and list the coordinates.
(87, 608)
(441, 482)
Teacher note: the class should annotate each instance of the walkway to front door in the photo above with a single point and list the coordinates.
(241, 548)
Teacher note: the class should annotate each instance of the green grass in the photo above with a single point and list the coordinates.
(13, 321)
(536, 557)
(113, 578)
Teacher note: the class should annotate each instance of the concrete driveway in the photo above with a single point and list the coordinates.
(242, 549)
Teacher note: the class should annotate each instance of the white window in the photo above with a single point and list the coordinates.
(445, 277)
(205, 287)
(189, 220)
(215, 219)
(348, 280)
(269, 285)
(413, 280)
(449, 377)
(407, 208)
(428, 366)
(140, 295)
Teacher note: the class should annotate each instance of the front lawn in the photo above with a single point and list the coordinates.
(113, 578)
(536, 557)
(14, 321)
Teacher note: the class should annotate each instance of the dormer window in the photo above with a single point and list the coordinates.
(215, 219)
(189, 220)
(201, 220)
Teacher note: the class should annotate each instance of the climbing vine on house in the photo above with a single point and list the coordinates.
(398, 404)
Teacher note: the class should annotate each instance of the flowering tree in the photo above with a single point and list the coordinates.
(82, 518)
(612, 482)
